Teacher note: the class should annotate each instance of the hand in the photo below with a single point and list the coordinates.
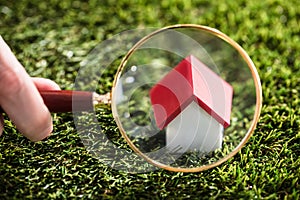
(20, 99)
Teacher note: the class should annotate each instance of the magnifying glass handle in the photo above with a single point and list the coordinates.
(71, 100)
(66, 100)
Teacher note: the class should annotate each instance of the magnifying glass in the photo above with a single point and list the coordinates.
(185, 98)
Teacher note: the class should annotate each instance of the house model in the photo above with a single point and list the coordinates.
(193, 104)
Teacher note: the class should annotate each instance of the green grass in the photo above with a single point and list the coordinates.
(42, 34)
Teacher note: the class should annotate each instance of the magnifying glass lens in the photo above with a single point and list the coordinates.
(186, 98)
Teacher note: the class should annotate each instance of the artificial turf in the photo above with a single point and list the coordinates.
(52, 37)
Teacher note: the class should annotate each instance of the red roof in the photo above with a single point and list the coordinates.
(189, 81)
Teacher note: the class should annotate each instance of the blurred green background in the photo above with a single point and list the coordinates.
(50, 38)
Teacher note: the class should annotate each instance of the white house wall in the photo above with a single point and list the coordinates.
(194, 130)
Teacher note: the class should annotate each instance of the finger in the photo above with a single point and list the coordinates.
(1, 124)
(20, 99)
(44, 84)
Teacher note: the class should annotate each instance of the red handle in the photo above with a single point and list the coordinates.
(67, 100)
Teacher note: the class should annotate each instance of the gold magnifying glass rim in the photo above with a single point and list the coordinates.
(255, 77)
